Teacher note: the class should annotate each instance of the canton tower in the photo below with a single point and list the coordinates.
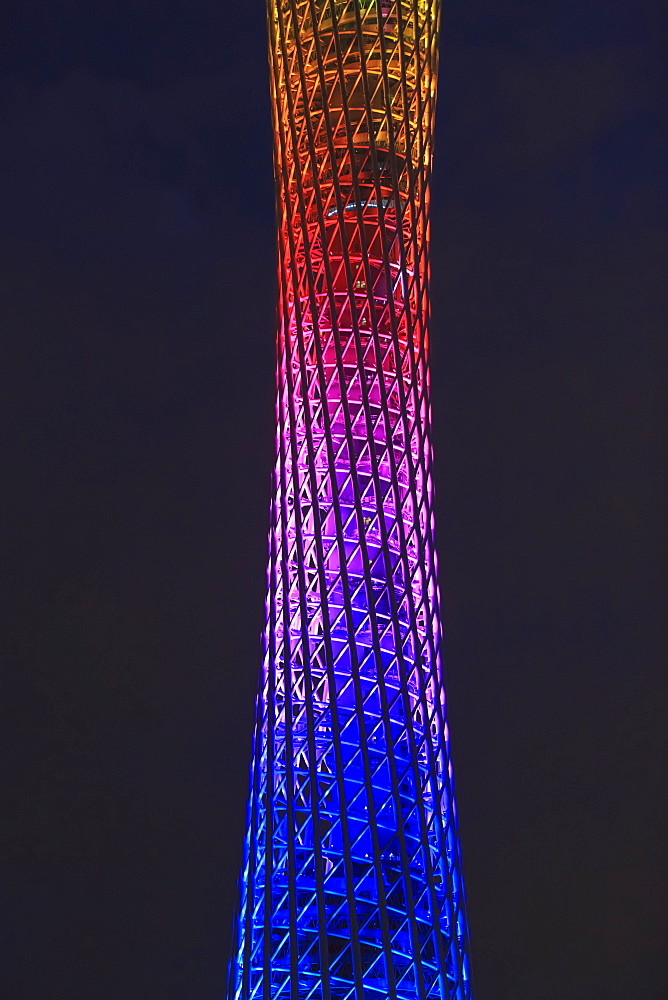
(351, 887)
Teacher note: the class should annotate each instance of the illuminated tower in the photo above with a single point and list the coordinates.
(351, 887)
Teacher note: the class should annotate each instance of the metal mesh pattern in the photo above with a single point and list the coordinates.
(351, 886)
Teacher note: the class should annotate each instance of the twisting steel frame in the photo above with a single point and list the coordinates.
(351, 885)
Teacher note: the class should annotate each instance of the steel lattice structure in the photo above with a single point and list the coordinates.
(351, 887)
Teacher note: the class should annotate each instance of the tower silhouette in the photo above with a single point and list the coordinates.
(351, 886)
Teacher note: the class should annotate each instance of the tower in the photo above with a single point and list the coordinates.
(351, 887)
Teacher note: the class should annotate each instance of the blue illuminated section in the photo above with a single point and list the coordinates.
(351, 885)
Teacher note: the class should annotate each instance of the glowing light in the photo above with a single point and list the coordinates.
(351, 886)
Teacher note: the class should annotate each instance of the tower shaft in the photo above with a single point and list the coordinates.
(351, 886)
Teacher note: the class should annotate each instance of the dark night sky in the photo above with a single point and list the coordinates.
(137, 313)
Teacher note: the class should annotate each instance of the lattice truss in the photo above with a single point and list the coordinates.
(351, 885)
